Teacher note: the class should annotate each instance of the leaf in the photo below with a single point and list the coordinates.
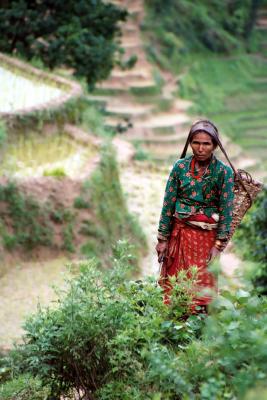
(242, 294)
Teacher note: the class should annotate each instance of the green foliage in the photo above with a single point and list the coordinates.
(232, 93)
(25, 387)
(177, 28)
(99, 328)
(80, 202)
(251, 237)
(28, 221)
(56, 173)
(77, 34)
(140, 153)
(92, 119)
(2, 132)
(69, 112)
(68, 237)
(115, 339)
(211, 84)
(109, 206)
(62, 214)
(129, 63)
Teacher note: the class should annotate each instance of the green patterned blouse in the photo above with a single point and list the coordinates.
(186, 195)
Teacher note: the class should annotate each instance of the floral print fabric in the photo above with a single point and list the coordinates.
(210, 194)
(187, 247)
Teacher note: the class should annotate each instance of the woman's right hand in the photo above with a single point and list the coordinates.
(161, 249)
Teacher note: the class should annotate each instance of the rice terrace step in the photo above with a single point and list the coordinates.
(25, 89)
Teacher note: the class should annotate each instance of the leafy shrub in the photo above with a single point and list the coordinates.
(129, 63)
(92, 119)
(114, 339)
(251, 237)
(61, 215)
(58, 173)
(29, 221)
(110, 210)
(99, 328)
(2, 132)
(25, 387)
(68, 237)
(80, 202)
(140, 154)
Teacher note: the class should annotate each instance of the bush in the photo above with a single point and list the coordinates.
(29, 221)
(58, 173)
(2, 132)
(92, 119)
(100, 328)
(80, 202)
(25, 387)
(110, 338)
(251, 237)
(110, 210)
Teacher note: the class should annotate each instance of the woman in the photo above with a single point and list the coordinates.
(197, 211)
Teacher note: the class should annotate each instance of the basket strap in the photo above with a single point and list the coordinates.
(236, 174)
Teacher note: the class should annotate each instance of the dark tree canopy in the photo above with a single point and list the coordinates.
(79, 34)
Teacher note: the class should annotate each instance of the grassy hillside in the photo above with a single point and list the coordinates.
(233, 93)
(227, 83)
(177, 29)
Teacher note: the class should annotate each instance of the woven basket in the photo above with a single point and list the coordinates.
(245, 191)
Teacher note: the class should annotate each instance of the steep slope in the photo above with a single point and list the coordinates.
(142, 105)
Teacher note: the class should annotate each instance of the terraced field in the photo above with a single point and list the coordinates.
(19, 92)
(246, 122)
(36, 155)
(232, 91)
(142, 104)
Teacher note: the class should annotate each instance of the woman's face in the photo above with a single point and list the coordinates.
(202, 146)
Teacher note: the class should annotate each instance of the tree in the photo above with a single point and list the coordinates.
(79, 34)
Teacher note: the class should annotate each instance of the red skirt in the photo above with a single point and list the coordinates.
(189, 246)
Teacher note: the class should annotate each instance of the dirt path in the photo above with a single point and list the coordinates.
(22, 288)
(144, 188)
(162, 133)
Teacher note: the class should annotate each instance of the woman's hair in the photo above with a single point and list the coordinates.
(206, 126)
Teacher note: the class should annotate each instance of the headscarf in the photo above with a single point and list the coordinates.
(205, 126)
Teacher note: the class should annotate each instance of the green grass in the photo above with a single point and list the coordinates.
(114, 222)
(229, 92)
(33, 152)
(145, 91)
(92, 119)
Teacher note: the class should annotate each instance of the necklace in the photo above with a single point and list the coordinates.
(200, 173)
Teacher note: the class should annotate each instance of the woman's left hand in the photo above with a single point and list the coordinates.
(213, 254)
